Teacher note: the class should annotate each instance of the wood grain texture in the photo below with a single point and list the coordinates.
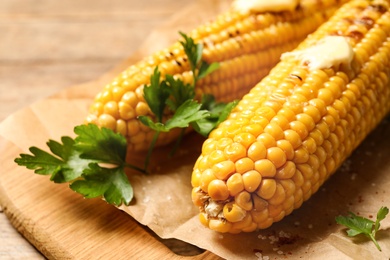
(50, 45)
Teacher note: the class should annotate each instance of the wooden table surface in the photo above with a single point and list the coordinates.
(49, 45)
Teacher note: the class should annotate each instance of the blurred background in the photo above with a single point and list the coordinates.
(49, 45)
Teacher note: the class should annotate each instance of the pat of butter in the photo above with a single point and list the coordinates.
(330, 51)
(265, 5)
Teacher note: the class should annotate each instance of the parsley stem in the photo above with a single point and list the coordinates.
(150, 150)
(375, 242)
(128, 165)
(177, 143)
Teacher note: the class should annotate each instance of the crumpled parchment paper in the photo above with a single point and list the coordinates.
(163, 198)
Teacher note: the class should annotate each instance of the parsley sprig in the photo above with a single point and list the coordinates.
(177, 96)
(359, 225)
(94, 162)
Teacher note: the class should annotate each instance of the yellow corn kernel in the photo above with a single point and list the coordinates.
(219, 225)
(224, 169)
(235, 184)
(244, 165)
(251, 180)
(235, 151)
(244, 200)
(267, 189)
(233, 213)
(257, 151)
(287, 171)
(276, 156)
(205, 178)
(265, 167)
(218, 190)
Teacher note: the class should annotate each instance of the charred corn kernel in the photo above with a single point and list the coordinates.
(246, 45)
(310, 119)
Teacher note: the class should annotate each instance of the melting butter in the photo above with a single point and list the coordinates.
(330, 51)
(265, 5)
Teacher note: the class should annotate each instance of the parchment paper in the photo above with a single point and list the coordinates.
(163, 198)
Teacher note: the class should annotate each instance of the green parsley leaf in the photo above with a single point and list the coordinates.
(78, 162)
(218, 113)
(187, 113)
(179, 91)
(100, 144)
(359, 225)
(205, 69)
(381, 215)
(192, 50)
(110, 183)
(156, 94)
(63, 167)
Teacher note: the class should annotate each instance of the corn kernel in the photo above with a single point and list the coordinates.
(259, 216)
(301, 155)
(235, 184)
(276, 156)
(267, 140)
(287, 148)
(218, 190)
(265, 167)
(219, 225)
(245, 139)
(293, 137)
(242, 224)
(244, 165)
(203, 219)
(244, 200)
(251, 180)
(287, 171)
(106, 120)
(233, 213)
(235, 151)
(274, 130)
(267, 189)
(205, 178)
(279, 195)
(223, 170)
(257, 151)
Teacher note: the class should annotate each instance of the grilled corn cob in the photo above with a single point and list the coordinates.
(291, 132)
(245, 43)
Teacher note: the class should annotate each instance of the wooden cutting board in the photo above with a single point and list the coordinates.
(61, 225)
